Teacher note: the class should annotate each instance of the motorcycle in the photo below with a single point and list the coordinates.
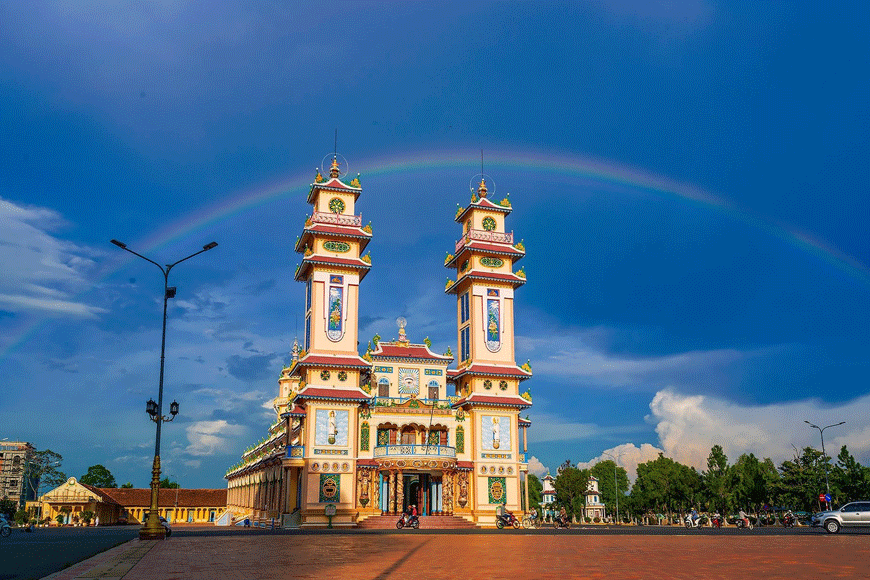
(560, 523)
(406, 521)
(507, 519)
(716, 521)
(696, 523)
(742, 524)
(789, 520)
(5, 530)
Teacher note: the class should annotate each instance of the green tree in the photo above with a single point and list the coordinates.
(43, 471)
(127, 485)
(850, 480)
(98, 476)
(801, 480)
(8, 507)
(536, 489)
(664, 486)
(604, 472)
(166, 484)
(753, 482)
(570, 484)
(716, 480)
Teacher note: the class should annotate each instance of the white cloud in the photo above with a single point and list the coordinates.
(210, 437)
(536, 467)
(628, 456)
(689, 425)
(41, 271)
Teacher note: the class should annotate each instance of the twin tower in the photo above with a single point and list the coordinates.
(357, 437)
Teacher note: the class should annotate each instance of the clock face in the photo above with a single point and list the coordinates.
(336, 205)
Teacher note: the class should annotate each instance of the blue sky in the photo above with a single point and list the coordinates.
(690, 179)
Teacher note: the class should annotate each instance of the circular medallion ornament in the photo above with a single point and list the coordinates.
(335, 466)
(417, 463)
(487, 384)
(329, 490)
(342, 376)
(500, 470)
(345, 467)
(488, 224)
(324, 375)
(510, 470)
(315, 466)
(336, 205)
(400, 463)
(338, 247)
(503, 385)
(483, 468)
(492, 468)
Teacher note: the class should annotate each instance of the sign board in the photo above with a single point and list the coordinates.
(822, 497)
(828, 497)
(329, 510)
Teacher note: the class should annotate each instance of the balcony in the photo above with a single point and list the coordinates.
(485, 236)
(322, 217)
(414, 450)
(296, 452)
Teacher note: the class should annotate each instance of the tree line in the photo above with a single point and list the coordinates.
(664, 486)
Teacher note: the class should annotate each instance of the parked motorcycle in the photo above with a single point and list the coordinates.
(406, 521)
(716, 520)
(507, 519)
(742, 524)
(789, 520)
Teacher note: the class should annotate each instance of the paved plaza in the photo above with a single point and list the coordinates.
(498, 555)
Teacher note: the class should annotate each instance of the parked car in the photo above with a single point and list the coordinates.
(854, 514)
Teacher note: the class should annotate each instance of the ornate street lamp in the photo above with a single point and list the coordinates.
(152, 530)
(824, 456)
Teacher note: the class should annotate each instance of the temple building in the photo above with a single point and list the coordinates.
(358, 437)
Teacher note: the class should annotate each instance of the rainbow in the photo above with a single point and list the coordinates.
(539, 161)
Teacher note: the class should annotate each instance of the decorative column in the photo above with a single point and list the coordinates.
(392, 502)
(400, 492)
(447, 492)
(527, 492)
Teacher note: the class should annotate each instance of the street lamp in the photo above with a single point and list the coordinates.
(824, 456)
(152, 530)
(615, 487)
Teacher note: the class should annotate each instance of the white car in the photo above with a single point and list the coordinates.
(855, 514)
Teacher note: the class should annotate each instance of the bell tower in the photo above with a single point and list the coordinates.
(484, 260)
(333, 265)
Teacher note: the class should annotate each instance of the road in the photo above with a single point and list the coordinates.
(47, 550)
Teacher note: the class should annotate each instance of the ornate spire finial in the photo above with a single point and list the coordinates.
(333, 170)
(481, 189)
(295, 350)
(401, 322)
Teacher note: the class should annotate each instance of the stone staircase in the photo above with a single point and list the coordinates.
(426, 523)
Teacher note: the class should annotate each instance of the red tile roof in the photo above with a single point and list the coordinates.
(484, 203)
(505, 249)
(132, 497)
(333, 394)
(494, 400)
(396, 350)
(329, 360)
(354, 263)
(492, 370)
(333, 184)
(512, 279)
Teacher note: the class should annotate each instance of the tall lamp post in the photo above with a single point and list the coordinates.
(153, 530)
(824, 456)
(615, 487)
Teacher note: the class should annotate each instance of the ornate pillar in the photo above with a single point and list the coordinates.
(400, 492)
(527, 492)
(447, 492)
(392, 490)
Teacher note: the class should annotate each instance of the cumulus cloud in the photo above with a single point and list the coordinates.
(627, 456)
(689, 425)
(42, 272)
(210, 437)
(536, 467)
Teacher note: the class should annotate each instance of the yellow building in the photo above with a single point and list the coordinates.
(130, 505)
(358, 437)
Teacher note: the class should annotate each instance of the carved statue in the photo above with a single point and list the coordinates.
(463, 488)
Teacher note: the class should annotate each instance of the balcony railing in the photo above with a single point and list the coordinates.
(323, 217)
(485, 236)
(409, 450)
(296, 452)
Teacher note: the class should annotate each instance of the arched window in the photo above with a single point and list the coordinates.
(383, 387)
(433, 389)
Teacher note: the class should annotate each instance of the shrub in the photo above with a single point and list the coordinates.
(60, 518)
(596, 519)
(587, 519)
